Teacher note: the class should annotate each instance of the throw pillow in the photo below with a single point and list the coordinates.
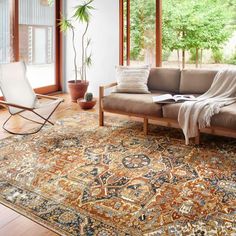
(132, 79)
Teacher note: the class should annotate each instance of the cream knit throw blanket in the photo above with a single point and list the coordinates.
(197, 114)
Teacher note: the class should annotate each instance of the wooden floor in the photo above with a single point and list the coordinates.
(12, 223)
(66, 109)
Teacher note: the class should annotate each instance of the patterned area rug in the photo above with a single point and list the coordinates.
(78, 179)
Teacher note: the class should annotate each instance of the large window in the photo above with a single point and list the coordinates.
(29, 33)
(178, 33)
(37, 40)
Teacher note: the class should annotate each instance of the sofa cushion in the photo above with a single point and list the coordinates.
(196, 80)
(165, 79)
(132, 79)
(133, 103)
(225, 119)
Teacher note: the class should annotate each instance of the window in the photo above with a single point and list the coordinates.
(178, 33)
(139, 27)
(34, 40)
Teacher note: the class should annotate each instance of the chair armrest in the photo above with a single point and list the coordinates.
(103, 87)
(102, 90)
(7, 104)
(106, 86)
(48, 97)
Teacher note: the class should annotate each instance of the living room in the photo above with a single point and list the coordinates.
(118, 117)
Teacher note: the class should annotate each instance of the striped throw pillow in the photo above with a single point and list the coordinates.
(132, 79)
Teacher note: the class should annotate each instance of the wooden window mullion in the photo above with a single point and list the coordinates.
(121, 5)
(128, 33)
(159, 33)
(128, 41)
(59, 46)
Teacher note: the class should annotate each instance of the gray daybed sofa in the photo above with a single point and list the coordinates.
(174, 81)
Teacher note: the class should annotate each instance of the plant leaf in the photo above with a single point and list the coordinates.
(82, 12)
(65, 24)
(88, 60)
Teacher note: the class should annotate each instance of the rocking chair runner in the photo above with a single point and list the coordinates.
(20, 97)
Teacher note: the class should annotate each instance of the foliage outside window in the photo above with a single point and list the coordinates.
(195, 33)
(197, 27)
(142, 31)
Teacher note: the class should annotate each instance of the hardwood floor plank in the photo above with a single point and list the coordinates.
(22, 226)
(17, 124)
(6, 216)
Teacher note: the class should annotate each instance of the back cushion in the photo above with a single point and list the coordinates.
(196, 80)
(132, 79)
(167, 79)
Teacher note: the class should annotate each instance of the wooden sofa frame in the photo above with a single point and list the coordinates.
(159, 120)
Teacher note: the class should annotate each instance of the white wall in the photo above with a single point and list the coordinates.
(104, 31)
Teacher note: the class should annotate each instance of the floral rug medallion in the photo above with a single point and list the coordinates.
(80, 179)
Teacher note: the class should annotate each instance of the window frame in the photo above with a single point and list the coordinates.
(158, 32)
(14, 20)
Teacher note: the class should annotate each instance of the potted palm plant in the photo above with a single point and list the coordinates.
(79, 85)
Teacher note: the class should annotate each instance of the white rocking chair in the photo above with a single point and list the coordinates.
(20, 97)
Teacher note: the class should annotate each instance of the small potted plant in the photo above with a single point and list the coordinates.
(88, 102)
(78, 86)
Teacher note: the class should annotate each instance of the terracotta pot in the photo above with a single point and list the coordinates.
(86, 105)
(77, 89)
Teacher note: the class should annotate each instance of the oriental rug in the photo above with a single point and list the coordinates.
(80, 179)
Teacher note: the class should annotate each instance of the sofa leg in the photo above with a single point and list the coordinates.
(197, 138)
(145, 126)
(101, 118)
